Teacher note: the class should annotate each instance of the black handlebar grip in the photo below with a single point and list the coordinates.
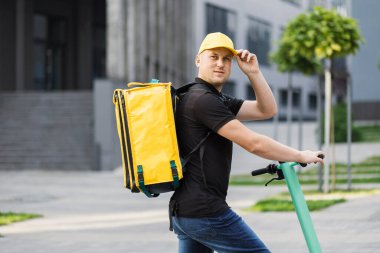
(259, 172)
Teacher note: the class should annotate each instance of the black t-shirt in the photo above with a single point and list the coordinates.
(198, 113)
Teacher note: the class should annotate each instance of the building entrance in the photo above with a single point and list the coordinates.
(50, 33)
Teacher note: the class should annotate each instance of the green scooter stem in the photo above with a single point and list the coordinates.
(300, 206)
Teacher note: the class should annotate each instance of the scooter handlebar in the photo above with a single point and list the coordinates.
(272, 168)
(260, 172)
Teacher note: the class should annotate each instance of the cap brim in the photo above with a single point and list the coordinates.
(233, 51)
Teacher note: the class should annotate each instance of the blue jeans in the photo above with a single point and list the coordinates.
(223, 233)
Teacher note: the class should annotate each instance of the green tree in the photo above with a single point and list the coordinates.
(312, 39)
(314, 36)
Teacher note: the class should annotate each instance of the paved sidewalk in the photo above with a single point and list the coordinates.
(87, 212)
(90, 212)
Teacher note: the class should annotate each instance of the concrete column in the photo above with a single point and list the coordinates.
(105, 134)
(161, 15)
(169, 40)
(176, 39)
(116, 34)
(140, 40)
(184, 40)
(153, 39)
(190, 42)
(130, 38)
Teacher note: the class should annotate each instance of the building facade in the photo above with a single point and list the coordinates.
(51, 51)
(365, 65)
(51, 45)
(61, 59)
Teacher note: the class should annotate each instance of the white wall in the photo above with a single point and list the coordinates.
(365, 71)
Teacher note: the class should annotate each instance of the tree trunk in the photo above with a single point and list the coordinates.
(319, 129)
(332, 141)
(300, 122)
(349, 132)
(289, 110)
(327, 124)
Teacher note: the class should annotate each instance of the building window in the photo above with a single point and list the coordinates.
(220, 20)
(259, 39)
(99, 38)
(283, 97)
(229, 88)
(249, 92)
(296, 98)
(294, 2)
(312, 101)
(49, 34)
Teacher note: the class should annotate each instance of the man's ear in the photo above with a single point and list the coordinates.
(197, 60)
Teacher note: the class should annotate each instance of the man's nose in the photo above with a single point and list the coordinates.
(220, 63)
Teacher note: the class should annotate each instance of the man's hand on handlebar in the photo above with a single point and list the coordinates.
(308, 156)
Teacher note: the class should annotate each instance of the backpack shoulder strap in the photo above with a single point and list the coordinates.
(199, 145)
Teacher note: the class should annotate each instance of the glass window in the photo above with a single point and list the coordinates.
(220, 20)
(312, 101)
(295, 2)
(283, 97)
(250, 93)
(49, 33)
(40, 26)
(99, 38)
(340, 6)
(259, 39)
(39, 65)
(296, 98)
(229, 88)
(57, 30)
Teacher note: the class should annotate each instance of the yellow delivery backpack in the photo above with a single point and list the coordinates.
(148, 142)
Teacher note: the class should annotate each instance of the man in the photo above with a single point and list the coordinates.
(202, 219)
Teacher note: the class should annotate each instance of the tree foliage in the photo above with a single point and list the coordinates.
(313, 36)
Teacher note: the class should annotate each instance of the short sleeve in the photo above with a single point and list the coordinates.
(233, 104)
(212, 112)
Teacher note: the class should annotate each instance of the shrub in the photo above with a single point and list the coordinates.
(340, 125)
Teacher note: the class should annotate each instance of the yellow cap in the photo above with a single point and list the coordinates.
(214, 40)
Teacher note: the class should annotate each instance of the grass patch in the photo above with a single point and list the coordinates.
(373, 160)
(310, 194)
(314, 199)
(371, 180)
(7, 218)
(369, 133)
(248, 180)
(370, 165)
(342, 170)
(284, 205)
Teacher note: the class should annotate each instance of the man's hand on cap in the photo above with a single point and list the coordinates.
(247, 61)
